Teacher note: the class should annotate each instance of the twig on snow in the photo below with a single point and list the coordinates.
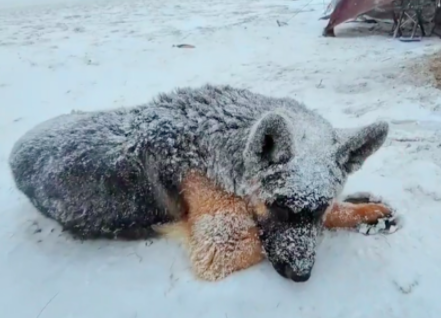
(407, 139)
(281, 23)
(47, 304)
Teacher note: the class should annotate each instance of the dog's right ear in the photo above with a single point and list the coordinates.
(269, 141)
(358, 144)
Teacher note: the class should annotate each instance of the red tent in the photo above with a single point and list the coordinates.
(346, 10)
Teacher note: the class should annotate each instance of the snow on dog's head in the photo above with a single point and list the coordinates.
(297, 164)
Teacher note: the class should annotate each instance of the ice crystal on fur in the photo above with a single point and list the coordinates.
(120, 171)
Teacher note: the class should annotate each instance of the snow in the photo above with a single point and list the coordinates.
(57, 56)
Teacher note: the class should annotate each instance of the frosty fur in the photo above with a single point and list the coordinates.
(118, 172)
(221, 236)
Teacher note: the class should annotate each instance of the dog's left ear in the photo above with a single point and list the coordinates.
(357, 145)
(269, 141)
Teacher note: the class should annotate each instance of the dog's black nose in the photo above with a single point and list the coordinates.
(301, 278)
(286, 271)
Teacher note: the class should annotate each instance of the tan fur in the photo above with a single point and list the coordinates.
(221, 236)
(260, 209)
(178, 231)
(349, 215)
(218, 230)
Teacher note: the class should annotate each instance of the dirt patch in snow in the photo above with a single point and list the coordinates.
(424, 70)
(435, 68)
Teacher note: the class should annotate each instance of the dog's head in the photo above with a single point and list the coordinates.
(296, 165)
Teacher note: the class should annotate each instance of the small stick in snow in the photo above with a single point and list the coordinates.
(184, 46)
(281, 23)
(47, 304)
(137, 256)
(407, 139)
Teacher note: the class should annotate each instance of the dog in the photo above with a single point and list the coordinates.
(120, 172)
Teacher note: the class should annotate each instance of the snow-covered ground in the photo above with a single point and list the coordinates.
(89, 55)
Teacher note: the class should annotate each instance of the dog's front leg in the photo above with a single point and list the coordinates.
(222, 243)
(363, 212)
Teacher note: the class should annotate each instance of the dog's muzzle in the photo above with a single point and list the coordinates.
(286, 271)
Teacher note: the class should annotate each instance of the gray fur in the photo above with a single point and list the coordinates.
(117, 171)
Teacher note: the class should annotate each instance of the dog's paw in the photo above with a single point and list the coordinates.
(385, 224)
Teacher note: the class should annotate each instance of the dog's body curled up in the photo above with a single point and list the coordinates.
(120, 172)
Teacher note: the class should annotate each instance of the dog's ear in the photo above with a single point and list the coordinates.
(358, 144)
(269, 141)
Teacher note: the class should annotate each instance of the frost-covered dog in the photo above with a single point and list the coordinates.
(120, 172)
